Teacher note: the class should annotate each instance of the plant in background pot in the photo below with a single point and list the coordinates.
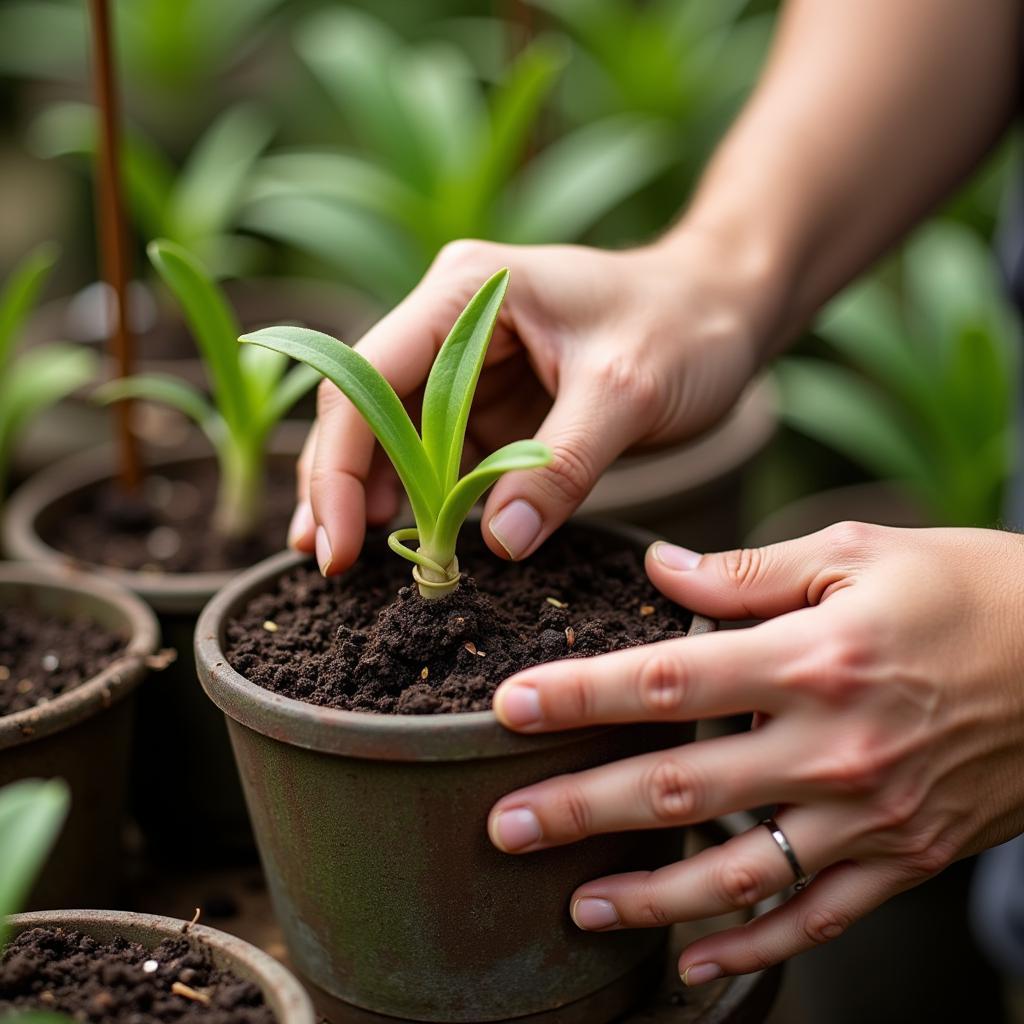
(436, 157)
(33, 380)
(920, 390)
(370, 757)
(73, 650)
(159, 544)
(107, 965)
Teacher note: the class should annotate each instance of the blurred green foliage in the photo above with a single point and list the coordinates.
(921, 389)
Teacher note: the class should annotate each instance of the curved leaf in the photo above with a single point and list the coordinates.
(452, 381)
(21, 289)
(164, 389)
(376, 401)
(298, 381)
(517, 455)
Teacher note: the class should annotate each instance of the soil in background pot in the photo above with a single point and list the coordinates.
(168, 529)
(42, 657)
(367, 641)
(63, 971)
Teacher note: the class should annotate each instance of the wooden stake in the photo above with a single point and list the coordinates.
(113, 235)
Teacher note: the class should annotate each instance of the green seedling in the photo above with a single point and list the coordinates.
(31, 814)
(250, 388)
(32, 380)
(428, 465)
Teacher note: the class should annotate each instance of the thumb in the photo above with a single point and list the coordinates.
(759, 583)
(586, 432)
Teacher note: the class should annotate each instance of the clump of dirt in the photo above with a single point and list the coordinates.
(367, 641)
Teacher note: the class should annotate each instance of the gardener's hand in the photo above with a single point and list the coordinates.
(890, 683)
(594, 351)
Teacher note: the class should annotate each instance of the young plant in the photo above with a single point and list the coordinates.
(196, 205)
(35, 379)
(31, 814)
(427, 465)
(250, 388)
(433, 155)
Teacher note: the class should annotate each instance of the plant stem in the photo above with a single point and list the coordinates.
(239, 508)
(430, 583)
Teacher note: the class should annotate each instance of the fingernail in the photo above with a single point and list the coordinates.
(594, 914)
(515, 829)
(519, 706)
(301, 524)
(674, 557)
(323, 550)
(516, 527)
(701, 974)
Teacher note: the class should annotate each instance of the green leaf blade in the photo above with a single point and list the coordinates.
(453, 379)
(376, 401)
(20, 292)
(163, 389)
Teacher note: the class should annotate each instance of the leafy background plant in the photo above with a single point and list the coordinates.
(252, 389)
(32, 380)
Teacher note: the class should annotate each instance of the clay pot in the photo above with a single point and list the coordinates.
(371, 829)
(194, 810)
(282, 993)
(83, 736)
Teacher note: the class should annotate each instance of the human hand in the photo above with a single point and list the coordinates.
(594, 351)
(889, 682)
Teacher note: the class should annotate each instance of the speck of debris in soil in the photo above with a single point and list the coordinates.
(62, 971)
(366, 641)
(42, 656)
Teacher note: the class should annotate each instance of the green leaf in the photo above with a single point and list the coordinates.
(569, 187)
(19, 295)
(376, 401)
(209, 189)
(453, 378)
(261, 370)
(466, 493)
(213, 325)
(31, 814)
(164, 389)
(298, 381)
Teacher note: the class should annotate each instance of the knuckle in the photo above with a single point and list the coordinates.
(737, 884)
(852, 767)
(850, 538)
(661, 683)
(897, 808)
(576, 697)
(572, 811)
(744, 567)
(616, 377)
(824, 924)
(463, 254)
(567, 477)
(670, 789)
(836, 669)
(648, 909)
(924, 853)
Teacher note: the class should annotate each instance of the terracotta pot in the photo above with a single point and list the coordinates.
(195, 810)
(282, 993)
(83, 736)
(371, 830)
(164, 345)
(692, 493)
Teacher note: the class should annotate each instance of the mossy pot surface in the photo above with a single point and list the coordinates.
(372, 833)
(173, 715)
(282, 993)
(83, 736)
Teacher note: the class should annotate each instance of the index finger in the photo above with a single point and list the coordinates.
(725, 673)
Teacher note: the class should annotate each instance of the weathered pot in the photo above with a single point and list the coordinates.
(83, 736)
(187, 795)
(165, 345)
(371, 830)
(692, 493)
(282, 993)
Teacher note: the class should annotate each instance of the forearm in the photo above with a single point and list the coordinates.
(868, 114)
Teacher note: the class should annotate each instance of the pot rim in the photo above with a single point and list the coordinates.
(114, 683)
(445, 737)
(284, 995)
(182, 592)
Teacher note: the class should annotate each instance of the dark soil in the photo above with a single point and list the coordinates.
(367, 641)
(169, 528)
(42, 657)
(63, 971)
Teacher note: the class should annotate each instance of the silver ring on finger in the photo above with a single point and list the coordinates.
(800, 878)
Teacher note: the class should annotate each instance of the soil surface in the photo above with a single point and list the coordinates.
(63, 971)
(42, 657)
(168, 528)
(367, 641)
